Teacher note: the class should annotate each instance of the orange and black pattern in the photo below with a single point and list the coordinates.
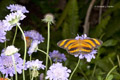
(84, 46)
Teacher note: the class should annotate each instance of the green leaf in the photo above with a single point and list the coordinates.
(71, 23)
(110, 42)
(110, 77)
(100, 78)
(100, 27)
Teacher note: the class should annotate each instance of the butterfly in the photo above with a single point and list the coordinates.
(84, 46)
(28, 41)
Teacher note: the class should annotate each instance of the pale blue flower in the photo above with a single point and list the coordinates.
(2, 32)
(35, 65)
(7, 67)
(36, 38)
(34, 35)
(33, 47)
(16, 7)
(56, 55)
(12, 19)
(58, 72)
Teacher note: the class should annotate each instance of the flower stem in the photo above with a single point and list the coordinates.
(15, 35)
(24, 50)
(74, 69)
(14, 67)
(45, 54)
(48, 43)
(110, 72)
(30, 69)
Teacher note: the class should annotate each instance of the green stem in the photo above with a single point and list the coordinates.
(110, 72)
(46, 55)
(74, 69)
(30, 69)
(24, 50)
(5, 44)
(94, 70)
(83, 74)
(15, 35)
(14, 67)
(118, 60)
(48, 43)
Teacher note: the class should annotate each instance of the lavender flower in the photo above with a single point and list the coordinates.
(87, 56)
(7, 67)
(16, 7)
(10, 50)
(12, 19)
(58, 72)
(56, 55)
(2, 32)
(36, 38)
(34, 35)
(33, 47)
(35, 65)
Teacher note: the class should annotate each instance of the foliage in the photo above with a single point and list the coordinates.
(69, 22)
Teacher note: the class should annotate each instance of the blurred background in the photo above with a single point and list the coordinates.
(97, 18)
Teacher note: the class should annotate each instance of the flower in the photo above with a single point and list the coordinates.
(88, 56)
(56, 55)
(2, 32)
(10, 50)
(48, 18)
(58, 72)
(33, 47)
(35, 65)
(16, 7)
(7, 67)
(12, 19)
(34, 35)
(33, 38)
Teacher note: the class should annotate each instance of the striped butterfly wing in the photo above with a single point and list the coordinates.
(84, 46)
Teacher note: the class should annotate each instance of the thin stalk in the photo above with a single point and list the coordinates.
(15, 35)
(48, 43)
(111, 61)
(45, 54)
(74, 69)
(33, 74)
(110, 71)
(14, 67)
(24, 50)
(83, 74)
(30, 69)
(94, 70)
(118, 60)
(5, 44)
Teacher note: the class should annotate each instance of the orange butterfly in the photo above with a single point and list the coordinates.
(83, 46)
(28, 41)
(3, 79)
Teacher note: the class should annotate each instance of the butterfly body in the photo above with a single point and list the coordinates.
(84, 46)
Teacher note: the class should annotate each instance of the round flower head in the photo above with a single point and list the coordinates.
(88, 56)
(12, 19)
(16, 7)
(35, 65)
(48, 18)
(58, 72)
(56, 55)
(33, 38)
(7, 67)
(34, 35)
(10, 50)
